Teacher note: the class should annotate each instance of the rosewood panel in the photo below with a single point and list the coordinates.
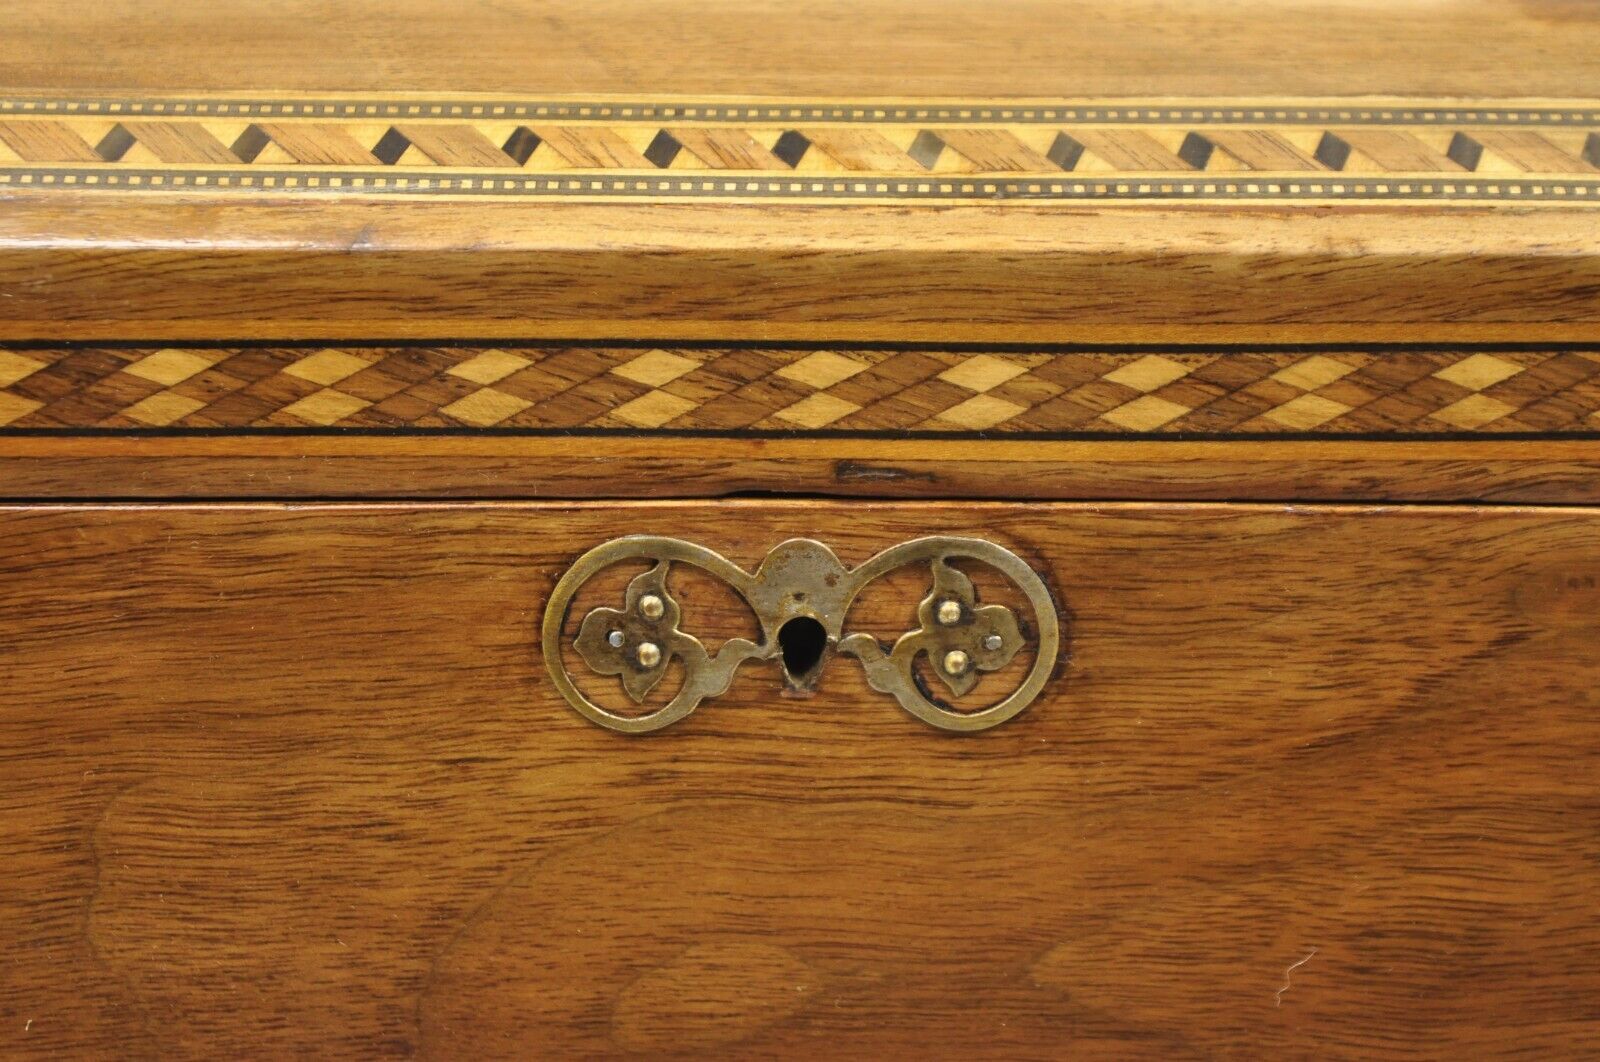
(1309, 780)
(299, 266)
(153, 466)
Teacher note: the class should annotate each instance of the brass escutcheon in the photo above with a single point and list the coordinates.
(802, 579)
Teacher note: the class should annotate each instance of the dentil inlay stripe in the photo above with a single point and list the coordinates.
(1114, 151)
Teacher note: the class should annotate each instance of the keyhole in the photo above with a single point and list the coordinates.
(803, 641)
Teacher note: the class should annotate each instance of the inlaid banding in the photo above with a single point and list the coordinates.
(1411, 151)
(1338, 391)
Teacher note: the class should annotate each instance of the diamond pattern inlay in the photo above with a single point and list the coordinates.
(653, 409)
(1308, 374)
(817, 411)
(866, 389)
(822, 369)
(982, 373)
(1474, 411)
(15, 407)
(1306, 412)
(655, 368)
(1479, 371)
(325, 407)
(1148, 373)
(168, 367)
(1145, 414)
(327, 366)
(14, 367)
(982, 412)
(489, 367)
(162, 408)
(486, 407)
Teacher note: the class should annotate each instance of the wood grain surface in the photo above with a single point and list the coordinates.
(1460, 48)
(295, 268)
(290, 261)
(288, 780)
(1548, 471)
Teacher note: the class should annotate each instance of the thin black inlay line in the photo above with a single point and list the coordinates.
(252, 431)
(800, 112)
(443, 181)
(425, 500)
(952, 347)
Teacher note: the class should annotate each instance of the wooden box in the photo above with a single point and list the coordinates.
(1017, 530)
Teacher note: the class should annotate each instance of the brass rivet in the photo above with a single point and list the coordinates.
(651, 606)
(955, 662)
(615, 639)
(993, 642)
(649, 654)
(949, 613)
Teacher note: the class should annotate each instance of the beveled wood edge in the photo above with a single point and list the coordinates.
(83, 267)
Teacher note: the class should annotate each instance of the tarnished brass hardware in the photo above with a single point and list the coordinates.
(801, 594)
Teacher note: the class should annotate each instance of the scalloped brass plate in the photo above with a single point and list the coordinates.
(802, 579)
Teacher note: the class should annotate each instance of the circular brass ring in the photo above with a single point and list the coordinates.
(707, 676)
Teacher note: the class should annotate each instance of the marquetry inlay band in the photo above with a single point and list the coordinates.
(1335, 390)
(1116, 151)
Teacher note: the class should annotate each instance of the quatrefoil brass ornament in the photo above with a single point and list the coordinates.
(801, 580)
